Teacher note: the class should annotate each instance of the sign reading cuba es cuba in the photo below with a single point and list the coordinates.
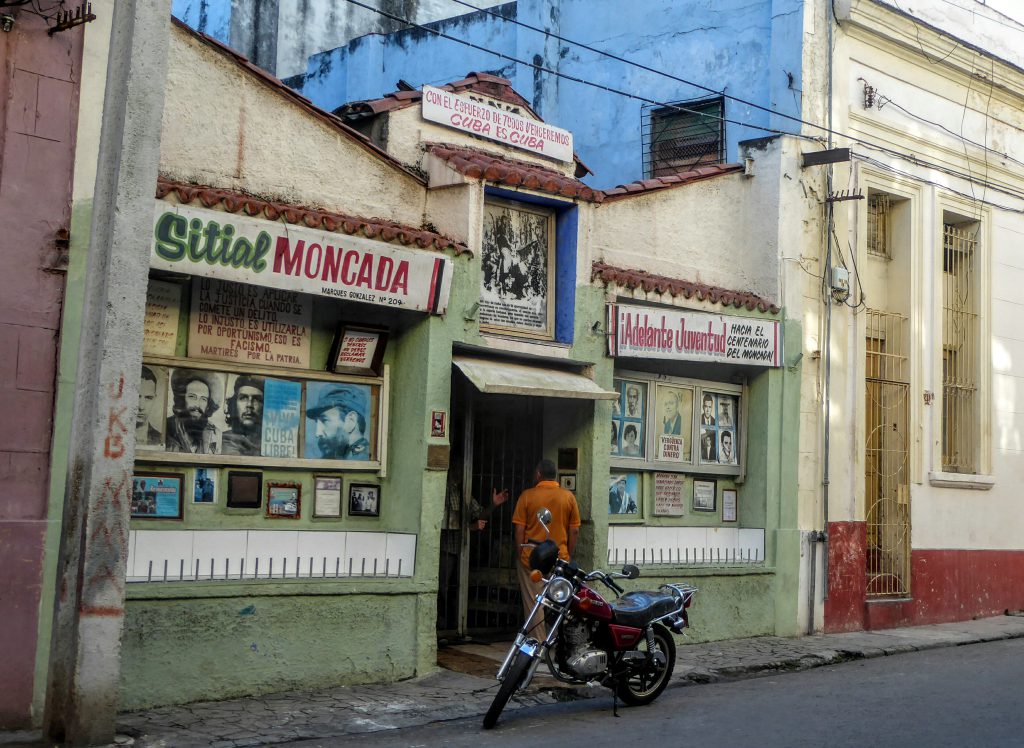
(650, 332)
(213, 244)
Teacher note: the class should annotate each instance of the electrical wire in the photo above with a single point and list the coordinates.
(575, 79)
(676, 107)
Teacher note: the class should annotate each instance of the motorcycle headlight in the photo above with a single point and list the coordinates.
(559, 590)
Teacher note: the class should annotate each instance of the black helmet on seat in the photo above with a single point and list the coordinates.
(543, 556)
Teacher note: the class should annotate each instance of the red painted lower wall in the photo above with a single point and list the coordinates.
(945, 585)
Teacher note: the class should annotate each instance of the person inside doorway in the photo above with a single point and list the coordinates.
(564, 529)
(458, 504)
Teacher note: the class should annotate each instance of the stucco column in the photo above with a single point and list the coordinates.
(85, 663)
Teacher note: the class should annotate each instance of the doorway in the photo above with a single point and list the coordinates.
(501, 438)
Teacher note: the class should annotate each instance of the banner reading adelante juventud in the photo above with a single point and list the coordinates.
(652, 332)
(214, 244)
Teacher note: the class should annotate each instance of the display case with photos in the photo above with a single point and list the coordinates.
(204, 414)
(673, 423)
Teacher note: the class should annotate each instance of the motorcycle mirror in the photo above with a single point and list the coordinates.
(544, 516)
(630, 571)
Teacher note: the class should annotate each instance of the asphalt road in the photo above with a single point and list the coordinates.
(957, 696)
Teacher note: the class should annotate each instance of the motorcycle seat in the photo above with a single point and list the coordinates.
(640, 608)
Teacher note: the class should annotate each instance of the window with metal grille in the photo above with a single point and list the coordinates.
(683, 136)
(879, 233)
(960, 350)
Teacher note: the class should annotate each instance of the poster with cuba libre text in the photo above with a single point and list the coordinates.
(652, 332)
(273, 254)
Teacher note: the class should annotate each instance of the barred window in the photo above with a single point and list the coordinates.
(879, 226)
(960, 349)
(683, 136)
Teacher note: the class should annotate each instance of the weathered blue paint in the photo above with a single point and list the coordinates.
(212, 17)
(749, 49)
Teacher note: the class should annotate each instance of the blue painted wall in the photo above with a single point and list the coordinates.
(750, 49)
(212, 17)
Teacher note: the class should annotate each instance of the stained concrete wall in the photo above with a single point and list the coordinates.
(281, 36)
(41, 75)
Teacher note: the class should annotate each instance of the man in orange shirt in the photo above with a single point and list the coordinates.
(564, 528)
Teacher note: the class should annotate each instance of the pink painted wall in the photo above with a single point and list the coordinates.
(38, 110)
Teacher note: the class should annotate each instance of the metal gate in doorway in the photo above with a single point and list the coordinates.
(886, 452)
(505, 438)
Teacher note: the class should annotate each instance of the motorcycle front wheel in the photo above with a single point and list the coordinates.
(643, 687)
(513, 678)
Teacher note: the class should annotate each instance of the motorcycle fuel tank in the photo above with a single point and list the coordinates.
(591, 604)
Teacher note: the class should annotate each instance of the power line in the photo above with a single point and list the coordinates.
(676, 107)
(575, 79)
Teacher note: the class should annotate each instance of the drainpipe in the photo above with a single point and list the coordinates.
(821, 536)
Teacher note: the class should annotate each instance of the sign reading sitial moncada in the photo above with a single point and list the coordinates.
(214, 244)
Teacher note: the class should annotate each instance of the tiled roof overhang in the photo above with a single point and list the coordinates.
(477, 164)
(638, 279)
(371, 228)
(646, 186)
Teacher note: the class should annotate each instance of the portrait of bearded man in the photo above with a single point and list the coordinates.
(195, 394)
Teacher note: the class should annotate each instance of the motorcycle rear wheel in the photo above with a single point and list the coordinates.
(638, 689)
(509, 686)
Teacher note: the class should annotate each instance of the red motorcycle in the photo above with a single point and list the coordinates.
(625, 645)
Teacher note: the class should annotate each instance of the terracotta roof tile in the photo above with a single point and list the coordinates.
(633, 279)
(475, 164)
(490, 85)
(372, 228)
(671, 180)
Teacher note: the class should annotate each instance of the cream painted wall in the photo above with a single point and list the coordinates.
(227, 128)
(720, 231)
(408, 131)
(982, 98)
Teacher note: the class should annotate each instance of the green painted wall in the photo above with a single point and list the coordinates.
(194, 641)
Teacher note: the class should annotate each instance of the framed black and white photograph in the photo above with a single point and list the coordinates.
(150, 418)
(358, 350)
(245, 489)
(157, 495)
(704, 495)
(327, 496)
(284, 500)
(195, 422)
(363, 500)
(729, 505)
(628, 418)
(518, 258)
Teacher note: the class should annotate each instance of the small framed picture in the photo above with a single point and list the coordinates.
(326, 495)
(245, 489)
(438, 424)
(363, 500)
(204, 489)
(358, 350)
(624, 494)
(729, 505)
(156, 495)
(283, 500)
(704, 495)
(567, 481)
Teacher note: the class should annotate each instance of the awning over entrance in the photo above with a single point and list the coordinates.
(507, 378)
